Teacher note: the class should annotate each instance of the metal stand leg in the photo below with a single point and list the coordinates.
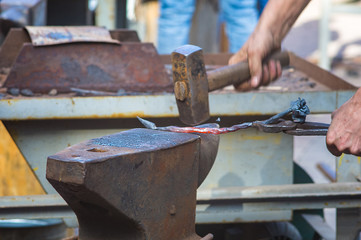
(348, 223)
(348, 220)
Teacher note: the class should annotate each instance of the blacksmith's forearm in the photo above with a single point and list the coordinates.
(279, 16)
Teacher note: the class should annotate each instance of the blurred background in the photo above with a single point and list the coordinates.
(327, 33)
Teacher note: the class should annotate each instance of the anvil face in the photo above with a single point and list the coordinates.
(136, 184)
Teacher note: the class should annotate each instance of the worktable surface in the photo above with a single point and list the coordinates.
(164, 105)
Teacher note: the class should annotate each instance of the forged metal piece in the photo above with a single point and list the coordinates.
(203, 129)
(136, 184)
(147, 124)
(275, 124)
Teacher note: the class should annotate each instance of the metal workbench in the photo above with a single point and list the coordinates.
(252, 178)
(257, 166)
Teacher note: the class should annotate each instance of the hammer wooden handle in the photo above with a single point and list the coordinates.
(239, 72)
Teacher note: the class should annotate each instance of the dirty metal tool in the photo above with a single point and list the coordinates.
(137, 184)
(275, 124)
(192, 83)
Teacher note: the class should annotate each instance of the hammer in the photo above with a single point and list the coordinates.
(192, 83)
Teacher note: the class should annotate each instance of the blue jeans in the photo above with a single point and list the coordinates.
(240, 17)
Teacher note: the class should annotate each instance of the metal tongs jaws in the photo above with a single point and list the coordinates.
(293, 128)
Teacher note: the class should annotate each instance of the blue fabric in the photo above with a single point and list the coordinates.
(174, 24)
(240, 17)
(262, 4)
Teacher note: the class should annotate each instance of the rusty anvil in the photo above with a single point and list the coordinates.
(136, 184)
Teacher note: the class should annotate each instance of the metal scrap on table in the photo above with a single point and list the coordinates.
(297, 126)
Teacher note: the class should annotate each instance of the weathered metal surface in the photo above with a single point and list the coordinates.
(258, 103)
(282, 198)
(93, 66)
(230, 213)
(124, 35)
(209, 150)
(215, 59)
(18, 36)
(348, 222)
(45, 36)
(272, 203)
(259, 202)
(137, 184)
(36, 207)
(11, 46)
(319, 74)
(284, 193)
(190, 84)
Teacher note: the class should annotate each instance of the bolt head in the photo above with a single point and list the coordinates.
(180, 90)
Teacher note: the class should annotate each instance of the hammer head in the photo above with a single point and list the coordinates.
(190, 84)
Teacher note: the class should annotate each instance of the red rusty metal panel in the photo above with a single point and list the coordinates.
(95, 66)
(44, 36)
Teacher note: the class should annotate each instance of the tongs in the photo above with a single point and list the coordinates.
(297, 126)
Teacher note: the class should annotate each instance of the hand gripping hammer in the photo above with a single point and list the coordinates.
(192, 83)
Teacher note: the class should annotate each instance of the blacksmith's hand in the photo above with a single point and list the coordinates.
(344, 134)
(276, 20)
(260, 44)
